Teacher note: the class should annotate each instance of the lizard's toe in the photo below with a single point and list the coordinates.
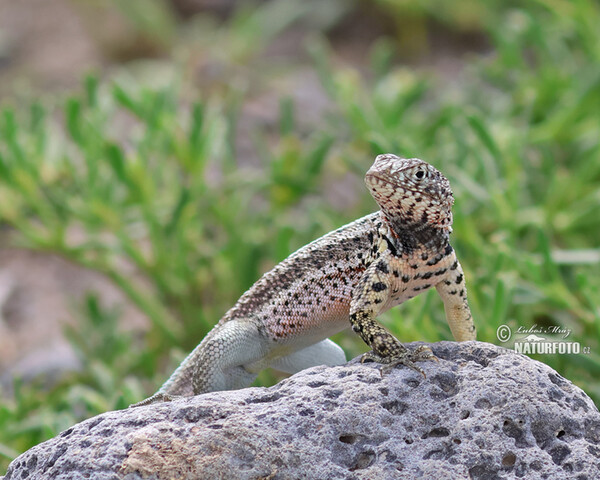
(422, 353)
(371, 357)
(408, 359)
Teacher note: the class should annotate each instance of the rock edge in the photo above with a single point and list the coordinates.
(483, 412)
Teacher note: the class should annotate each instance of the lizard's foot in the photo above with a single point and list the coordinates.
(156, 398)
(405, 357)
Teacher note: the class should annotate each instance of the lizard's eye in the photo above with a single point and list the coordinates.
(420, 174)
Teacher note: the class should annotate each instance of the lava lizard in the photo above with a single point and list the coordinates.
(353, 273)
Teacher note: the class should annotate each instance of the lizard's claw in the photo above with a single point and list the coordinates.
(406, 358)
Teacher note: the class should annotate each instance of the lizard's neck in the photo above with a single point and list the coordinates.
(416, 236)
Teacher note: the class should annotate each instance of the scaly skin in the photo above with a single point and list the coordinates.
(356, 272)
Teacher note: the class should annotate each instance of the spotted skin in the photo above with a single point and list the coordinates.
(411, 253)
(356, 272)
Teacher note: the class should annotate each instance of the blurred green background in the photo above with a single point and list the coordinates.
(157, 156)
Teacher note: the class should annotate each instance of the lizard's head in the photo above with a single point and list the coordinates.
(410, 192)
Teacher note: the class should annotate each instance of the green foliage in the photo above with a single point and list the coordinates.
(38, 411)
(147, 188)
(518, 136)
(157, 203)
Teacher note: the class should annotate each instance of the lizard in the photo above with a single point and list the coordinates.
(344, 279)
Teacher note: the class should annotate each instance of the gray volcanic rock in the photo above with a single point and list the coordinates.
(483, 412)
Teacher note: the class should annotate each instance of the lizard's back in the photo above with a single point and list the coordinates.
(310, 291)
(347, 277)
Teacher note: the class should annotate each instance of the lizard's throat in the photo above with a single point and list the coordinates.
(417, 236)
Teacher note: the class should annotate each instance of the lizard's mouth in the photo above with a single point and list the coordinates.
(377, 184)
(376, 179)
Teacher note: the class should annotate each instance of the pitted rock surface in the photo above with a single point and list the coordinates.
(483, 412)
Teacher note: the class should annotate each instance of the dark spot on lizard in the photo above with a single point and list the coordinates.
(382, 267)
(391, 246)
(378, 286)
(459, 279)
(435, 260)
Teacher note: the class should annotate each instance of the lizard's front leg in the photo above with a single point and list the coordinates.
(453, 292)
(371, 293)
